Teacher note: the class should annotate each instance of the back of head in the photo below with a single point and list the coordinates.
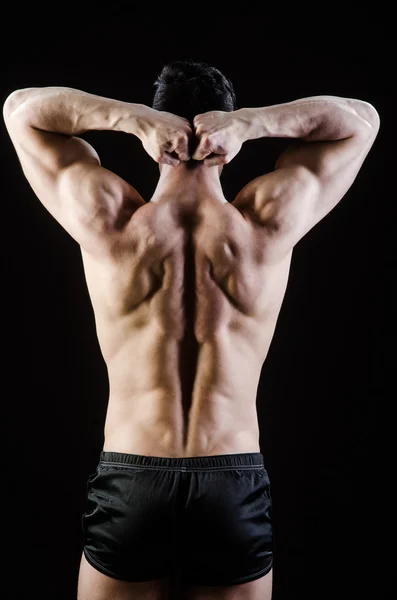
(187, 89)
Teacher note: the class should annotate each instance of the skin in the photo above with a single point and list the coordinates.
(183, 382)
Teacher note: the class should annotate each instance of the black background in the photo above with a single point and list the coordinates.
(319, 387)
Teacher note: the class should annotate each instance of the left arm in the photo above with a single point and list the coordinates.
(65, 172)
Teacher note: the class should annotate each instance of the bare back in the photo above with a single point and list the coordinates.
(185, 312)
(187, 288)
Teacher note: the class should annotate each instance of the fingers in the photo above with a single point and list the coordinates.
(182, 148)
(179, 145)
(218, 159)
(203, 149)
(163, 156)
(207, 132)
(183, 155)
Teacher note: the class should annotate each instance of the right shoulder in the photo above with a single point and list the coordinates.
(266, 196)
(279, 204)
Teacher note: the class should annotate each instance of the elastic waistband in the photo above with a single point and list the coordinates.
(194, 463)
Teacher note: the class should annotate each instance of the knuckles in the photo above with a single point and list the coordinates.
(181, 139)
(175, 133)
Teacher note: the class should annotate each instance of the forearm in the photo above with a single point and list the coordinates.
(71, 112)
(318, 118)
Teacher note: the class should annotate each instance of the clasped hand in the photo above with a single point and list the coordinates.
(167, 138)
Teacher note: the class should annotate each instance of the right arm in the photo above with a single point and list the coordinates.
(334, 137)
(65, 172)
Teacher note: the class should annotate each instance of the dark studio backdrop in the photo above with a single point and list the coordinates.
(317, 393)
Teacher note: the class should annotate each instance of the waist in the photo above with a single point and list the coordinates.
(169, 437)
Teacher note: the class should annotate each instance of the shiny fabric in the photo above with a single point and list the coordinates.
(205, 520)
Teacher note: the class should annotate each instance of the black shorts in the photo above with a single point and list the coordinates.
(205, 520)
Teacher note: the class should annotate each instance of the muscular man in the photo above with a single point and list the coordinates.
(186, 291)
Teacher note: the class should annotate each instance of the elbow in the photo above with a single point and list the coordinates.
(15, 100)
(369, 113)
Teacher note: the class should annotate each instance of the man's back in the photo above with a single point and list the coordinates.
(185, 307)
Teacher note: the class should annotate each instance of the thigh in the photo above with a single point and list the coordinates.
(260, 589)
(93, 585)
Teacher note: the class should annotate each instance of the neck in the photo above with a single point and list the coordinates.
(189, 185)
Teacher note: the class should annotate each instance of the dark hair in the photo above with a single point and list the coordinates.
(186, 88)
